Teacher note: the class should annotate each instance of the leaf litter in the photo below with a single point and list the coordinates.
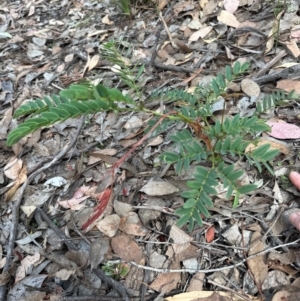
(235, 254)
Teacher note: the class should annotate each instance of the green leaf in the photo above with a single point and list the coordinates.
(271, 154)
(215, 87)
(236, 68)
(140, 72)
(102, 91)
(246, 188)
(15, 135)
(170, 157)
(190, 193)
(182, 220)
(197, 218)
(245, 66)
(236, 200)
(190, 203)
(259, 151)
(228, 73)
(191, 224)
(203, 209)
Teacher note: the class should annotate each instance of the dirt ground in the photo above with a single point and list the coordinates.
(52, 179)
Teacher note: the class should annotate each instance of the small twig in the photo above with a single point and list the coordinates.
(15, 213)
(167, 30)
(272, 237)
(213, 270)
(228, 289)
(263, 70)
(90, 298)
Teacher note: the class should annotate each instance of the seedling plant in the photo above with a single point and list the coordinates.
(203, 139)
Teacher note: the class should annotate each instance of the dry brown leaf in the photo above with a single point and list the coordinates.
(156, 188)
(182, 46)
(126, 248)
(201, 33)
(208, 6)
(132, 225)
(183, 6)
(64, 274)
(133, 123)
(288, 85)
(69, 58)
(156, 141)
(26, 264)
(228, 19)
(128, 142)
(210, 296)
(93, 62)
(258, 265)
(22, 177)
(105, 20)
(196, 283)
(250, 87)
(109, 225)
(96, 156)
(293, 48)
(162, 4)
(168, 281)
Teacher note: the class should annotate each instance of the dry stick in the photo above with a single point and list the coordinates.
(228, 289)
(90, 298)
(213, 270)
(263, 70)
(286, 73)
(167, 30)
(15, 213)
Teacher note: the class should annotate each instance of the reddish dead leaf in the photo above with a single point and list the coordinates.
(104, 199)
(283, 130)
(288, 85)
(210, 234)
(231, 5)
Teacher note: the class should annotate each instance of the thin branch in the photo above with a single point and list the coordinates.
(229, 289)
(213, 270)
